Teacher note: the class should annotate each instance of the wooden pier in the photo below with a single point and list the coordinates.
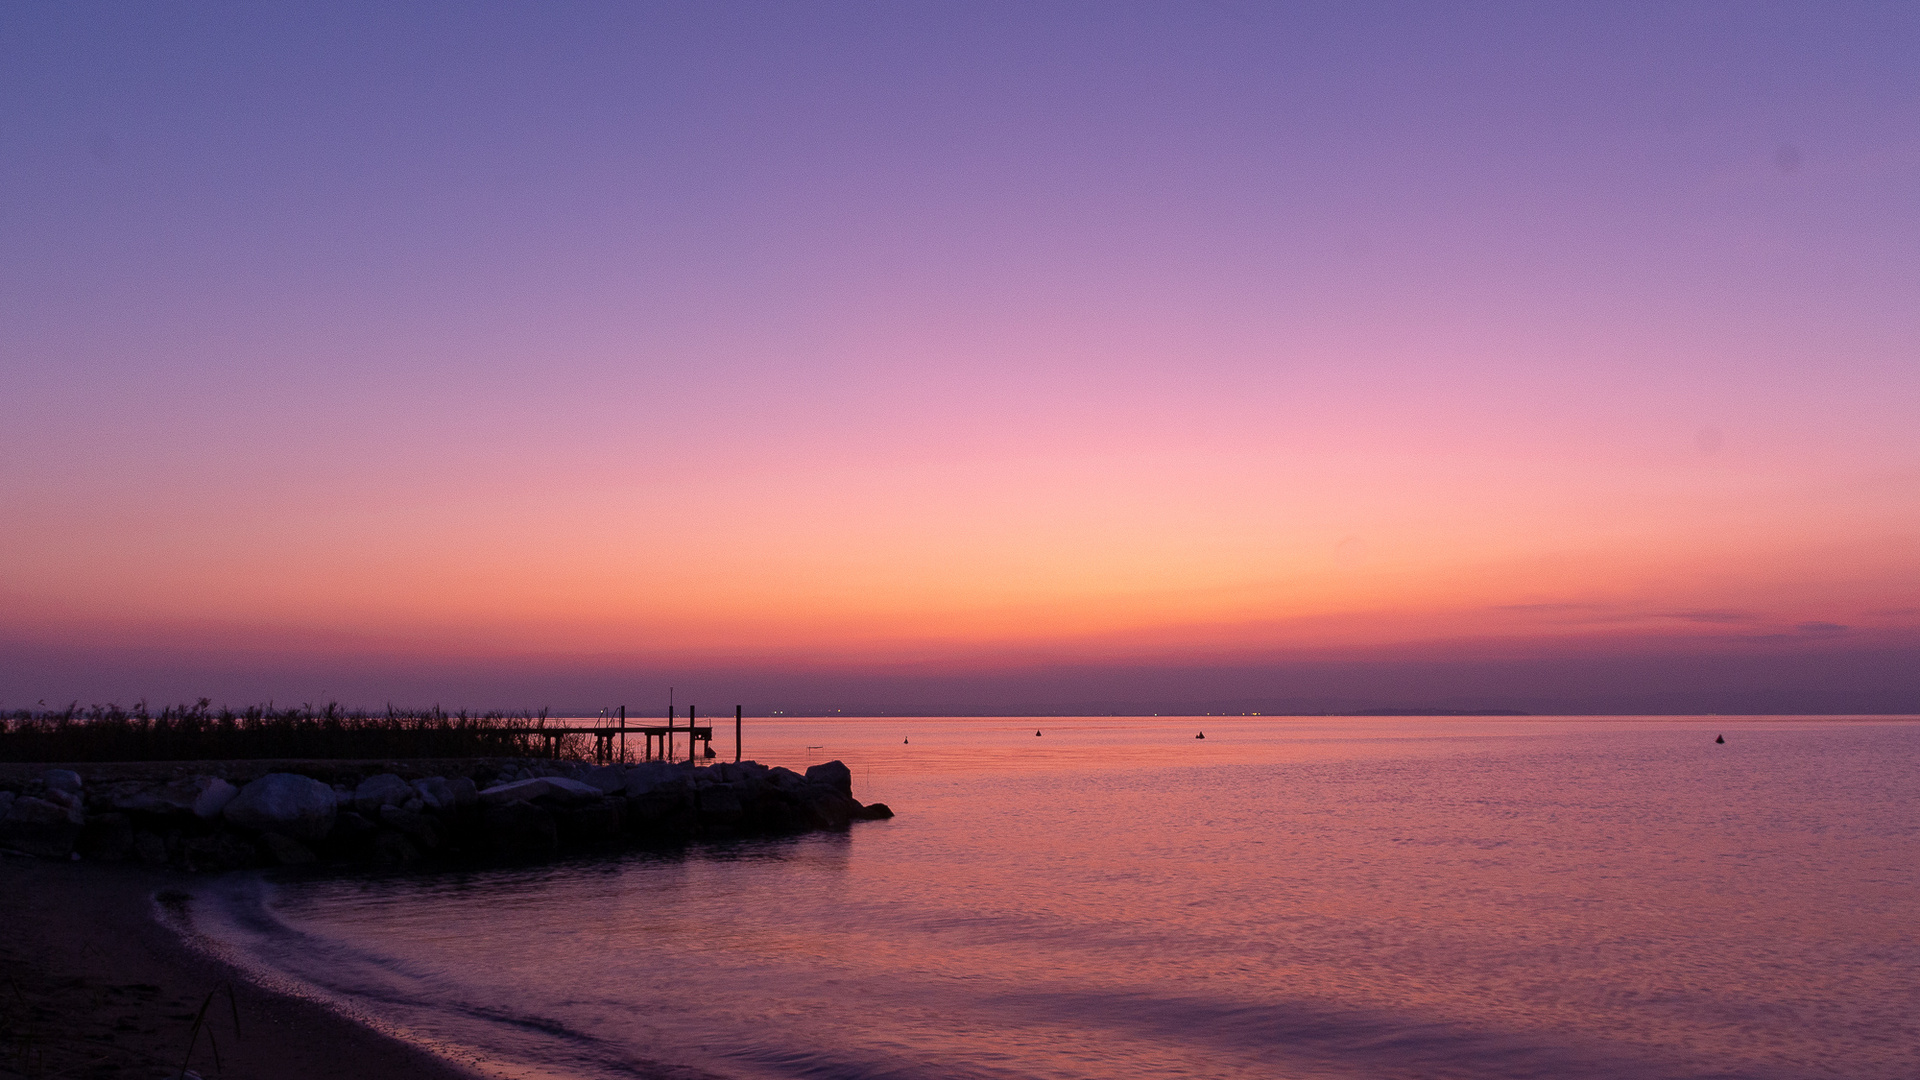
(610, 740)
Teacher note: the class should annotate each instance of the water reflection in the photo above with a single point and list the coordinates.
(1376, 898)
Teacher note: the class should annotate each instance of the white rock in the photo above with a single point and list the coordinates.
(214, 796)
(377, 791)
(435, 792)
(465, 791)
(69, 801)
(61, 780)
(573, 790)
(285, 803)
(514, 791)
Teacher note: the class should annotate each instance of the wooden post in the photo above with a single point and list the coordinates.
(666, 749)
(623, 734)
(690, 740)
(736, 734)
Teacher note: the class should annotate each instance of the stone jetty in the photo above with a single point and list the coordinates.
(229, 815)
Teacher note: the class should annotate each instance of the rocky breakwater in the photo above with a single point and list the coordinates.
(327, 813)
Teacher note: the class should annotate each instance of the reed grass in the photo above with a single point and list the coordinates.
(199, 732)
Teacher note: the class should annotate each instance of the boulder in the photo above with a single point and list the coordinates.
(378, 791)
(107, 837)
(649, 775)
(393, 849)
(202, 796)
(410, 824)
(6, 802)
(520, 830)
(287, 851)
(607, 779)
(597, 822)
(514, 791)
(285, 803)
(720, 805)
(874, 811)
(221, 851)
(465, 792)
(210, 796)
(827, 809)
(834, 774)
(786, 779)
(62, 780)
(352, 825)
(150, 848)
(67, 800)
(39, 827)
(572, 791)
(435, 792)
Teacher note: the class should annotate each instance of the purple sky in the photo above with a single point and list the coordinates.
(962, 356)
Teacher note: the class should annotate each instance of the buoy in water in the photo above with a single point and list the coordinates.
(1719, 738)
(1036, 734)
(1202, 735)
(904, 742)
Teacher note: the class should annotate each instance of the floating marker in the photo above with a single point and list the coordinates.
(1202, 735)
(1719, 738)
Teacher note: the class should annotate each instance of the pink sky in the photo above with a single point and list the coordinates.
(747, 343)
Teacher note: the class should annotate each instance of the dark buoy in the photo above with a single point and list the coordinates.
(1719, 738)
(903, 742)
(1202, 735)
(1036, 734)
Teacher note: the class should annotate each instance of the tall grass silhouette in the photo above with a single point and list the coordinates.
(199, 732)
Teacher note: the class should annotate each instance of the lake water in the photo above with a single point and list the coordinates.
(1288, 898)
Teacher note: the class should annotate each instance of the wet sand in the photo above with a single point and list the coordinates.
(91, 985)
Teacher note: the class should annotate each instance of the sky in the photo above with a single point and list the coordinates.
(962, 356)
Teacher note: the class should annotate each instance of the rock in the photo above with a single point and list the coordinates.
(520, 830)
(606, 779)
(378, 791)
(107, 837)
(62, 780)
(649, 775)
(393, 849)
(572, 791)
(786, 779)
(202, 796)
(514, 791)
(69, 801)
(286, 803)
(465, 792)
(211, 796)
(149, 848)
(350, 825)
(720, 805)
(6, 802)
(435, 792)
(39, 827)
(874, 811)
(834, 774)
(287, 851)
(827, 809)
(221, 851)
(597, 822)
(411, 824)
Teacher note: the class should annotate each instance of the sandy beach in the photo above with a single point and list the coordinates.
(95, 986)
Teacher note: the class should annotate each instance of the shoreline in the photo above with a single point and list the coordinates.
(97, 987)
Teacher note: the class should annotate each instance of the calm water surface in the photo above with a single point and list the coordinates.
(1115, 899)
